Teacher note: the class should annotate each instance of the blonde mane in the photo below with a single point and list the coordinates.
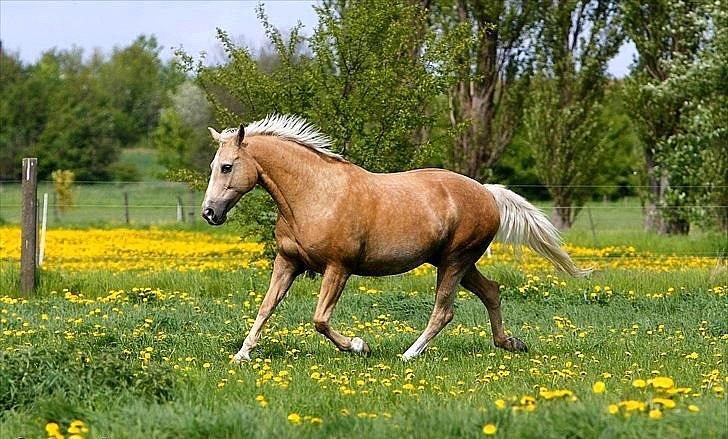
(289, 127)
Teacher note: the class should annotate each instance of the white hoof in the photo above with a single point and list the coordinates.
(359, 346)
(241, 356)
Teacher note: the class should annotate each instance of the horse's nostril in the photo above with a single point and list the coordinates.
(207, 213)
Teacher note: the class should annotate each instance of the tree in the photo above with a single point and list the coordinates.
(178, 139)
(13, 127)
(133, 81)
(366, 82)
(668, 36)
(565, 125)
(487, 63)
(697, 158)
(371, 81)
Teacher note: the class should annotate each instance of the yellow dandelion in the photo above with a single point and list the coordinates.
(51, 428)
(613, 409)
(663, 383)
(77, 427)
(655, 414)
(490, 429)
(294, 418)
(640, 384)
(261, 400)
(664, 402)
(599, 387)
(632, 405)
(693, 408)
(500, 404)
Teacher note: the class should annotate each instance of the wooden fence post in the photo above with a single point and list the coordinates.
(126, 207)
(180, 210)
(192, 212)
(29, 233)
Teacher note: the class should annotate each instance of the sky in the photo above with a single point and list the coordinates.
(31, 27)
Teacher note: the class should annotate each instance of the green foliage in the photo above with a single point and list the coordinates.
(677, 97)
(255, 216)
(76, 114)
(21, 111)
(179, 138)
(485, 60)
(371, 82)
(124, 172)
(171, 139)
(32, 374)
(365, 84)
(697, 154)
(135, 82)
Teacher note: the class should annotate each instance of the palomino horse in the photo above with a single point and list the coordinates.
(338, 219)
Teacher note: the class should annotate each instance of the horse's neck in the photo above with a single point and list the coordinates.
(298, 178)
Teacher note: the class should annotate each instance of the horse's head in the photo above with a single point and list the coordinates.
(234, 173)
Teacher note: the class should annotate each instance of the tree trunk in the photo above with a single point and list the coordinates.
(562, 216)
(677, 226)
(670, 222)
(655, 196)
(486, 75)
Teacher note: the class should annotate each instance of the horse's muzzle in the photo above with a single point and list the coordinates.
(209, 215)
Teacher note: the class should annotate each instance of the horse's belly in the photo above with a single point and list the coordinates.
(393, 259)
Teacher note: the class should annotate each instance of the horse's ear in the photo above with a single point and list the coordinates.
(215, 134)
(241, 135)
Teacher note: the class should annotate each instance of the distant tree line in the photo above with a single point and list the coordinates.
(76, 112)
(508, 91)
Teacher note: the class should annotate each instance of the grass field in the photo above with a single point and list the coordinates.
(143, 349)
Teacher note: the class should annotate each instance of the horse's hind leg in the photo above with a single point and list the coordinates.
(487, 292)
(442, 313)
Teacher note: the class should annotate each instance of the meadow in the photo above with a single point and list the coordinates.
(132, 331)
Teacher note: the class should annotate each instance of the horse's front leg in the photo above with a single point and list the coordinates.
(284, 272)
(331, 288)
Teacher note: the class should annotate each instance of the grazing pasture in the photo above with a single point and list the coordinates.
(133, 346)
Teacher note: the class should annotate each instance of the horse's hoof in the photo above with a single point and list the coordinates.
(513, 344)
(406, 357)
(360, 347)
(241, 357)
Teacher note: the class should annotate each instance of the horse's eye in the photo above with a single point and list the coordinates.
(226, 169)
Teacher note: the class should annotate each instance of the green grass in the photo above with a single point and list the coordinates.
(67, 370)
(83, 362)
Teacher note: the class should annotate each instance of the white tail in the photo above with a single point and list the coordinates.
(523, 223)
